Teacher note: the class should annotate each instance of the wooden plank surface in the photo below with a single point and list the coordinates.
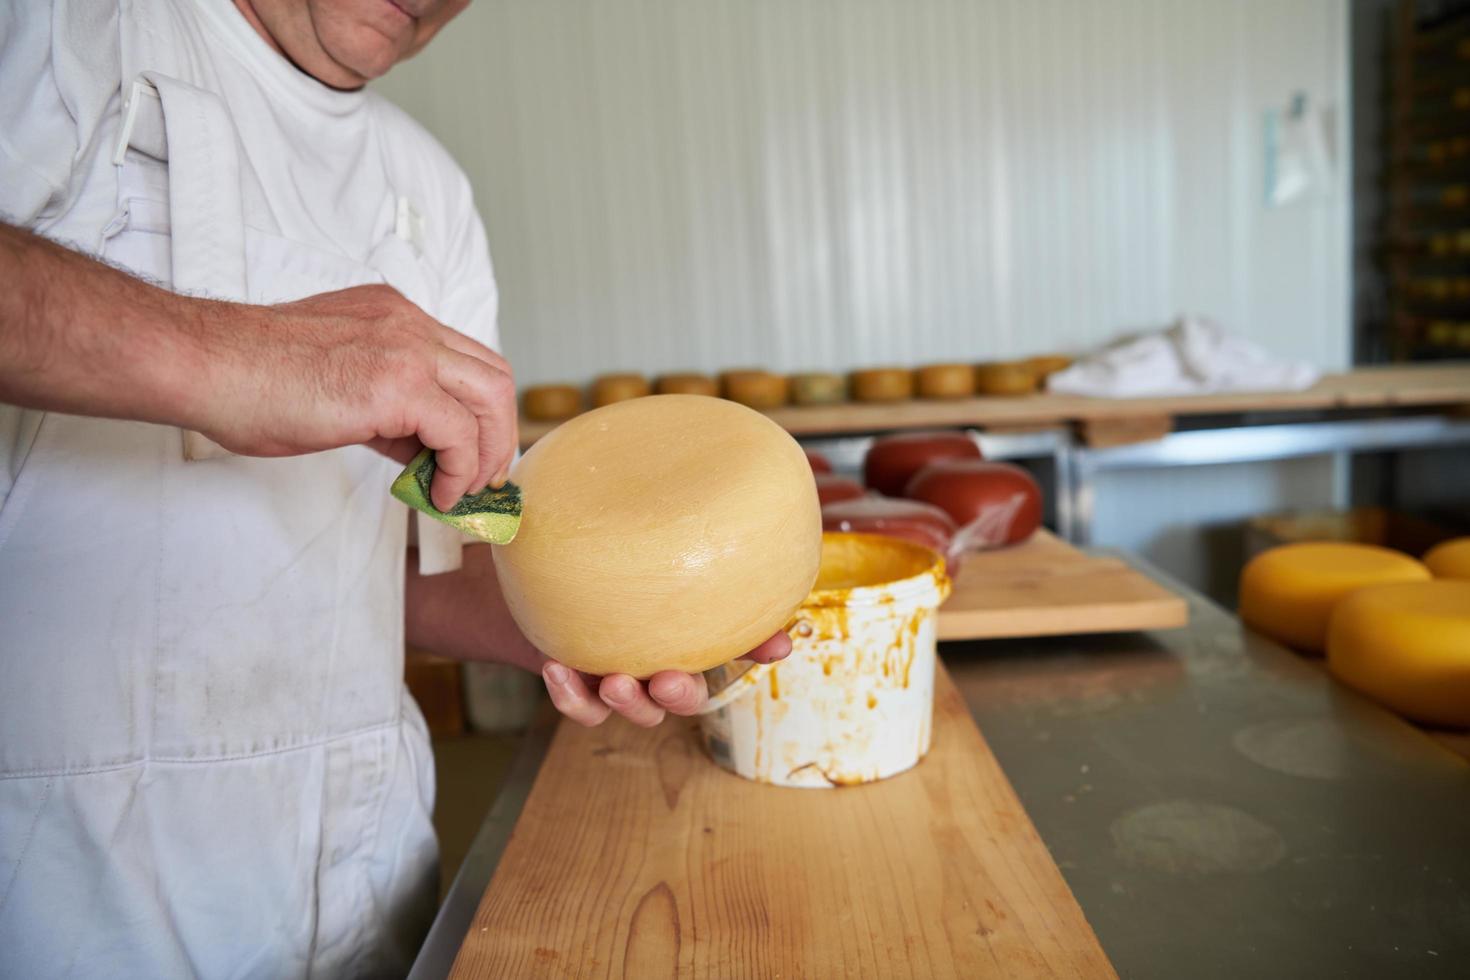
(1046, 587)
(638, 857)
(1372, 387)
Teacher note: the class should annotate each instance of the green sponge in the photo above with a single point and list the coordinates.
(492, 515)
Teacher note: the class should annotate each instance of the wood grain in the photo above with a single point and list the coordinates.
(637, 857)
(1373, 387)
(1046, 587)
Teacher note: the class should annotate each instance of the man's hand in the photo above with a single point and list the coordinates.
(463, 615)
(643, 703)
(361, 365)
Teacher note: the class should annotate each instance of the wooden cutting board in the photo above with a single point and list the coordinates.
(637, 857)
(1046, 587)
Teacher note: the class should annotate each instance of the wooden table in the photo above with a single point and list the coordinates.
(638, 857)
(1218, 807)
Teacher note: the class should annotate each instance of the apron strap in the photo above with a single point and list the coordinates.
(191, 130)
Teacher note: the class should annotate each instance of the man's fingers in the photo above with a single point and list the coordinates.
(489, 393)
(401, 450)
(626, 696)
(572, 698)
(776, 648)
(452, 431)
(678, 692)
(455, 340)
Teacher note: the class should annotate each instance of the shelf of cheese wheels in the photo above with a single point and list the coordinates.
(991, 395)
(1394, 628)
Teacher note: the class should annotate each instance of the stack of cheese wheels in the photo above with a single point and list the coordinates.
(687, 384)
(1407, 646)
(1288, 593)
(611, 388)
(673, 532)
(551, 403)
(1449, 559)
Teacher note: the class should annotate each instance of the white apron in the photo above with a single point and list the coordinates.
(208, 763)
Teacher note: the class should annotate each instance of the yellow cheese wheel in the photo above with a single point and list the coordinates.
(1407, 646)
(612, 388)
(1450, 559)
(882, 385)
(1005, 378)
(551, 403)
(1288, 592)
(674, 532)
(755, 389)
(818, 389)
(945, 381)
(687, 384)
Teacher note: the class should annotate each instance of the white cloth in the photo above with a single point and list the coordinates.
(1194, 357)
(209, 765)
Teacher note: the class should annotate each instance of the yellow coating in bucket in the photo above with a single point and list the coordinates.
(864, 633)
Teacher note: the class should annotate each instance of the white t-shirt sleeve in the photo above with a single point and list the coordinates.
(59, 74)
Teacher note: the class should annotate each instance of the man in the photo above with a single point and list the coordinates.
(207, 762)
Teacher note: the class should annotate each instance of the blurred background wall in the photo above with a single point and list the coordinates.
(810, 184)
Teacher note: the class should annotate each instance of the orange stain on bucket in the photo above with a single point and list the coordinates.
(864, 638)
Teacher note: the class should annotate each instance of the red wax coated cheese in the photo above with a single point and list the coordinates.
(910, 520)
(994, 504)
(893, 460)
(832, 488)
(819, 463)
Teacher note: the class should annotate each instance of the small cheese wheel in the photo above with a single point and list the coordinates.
(1005, 378)
(1449, 559)
(551, 403)
(882, 385)
(1047, 364)
(687, 384)
(1407, 646)
(945, 381)
(612, 388)
(818, 389)
(754, 389)
(1288, 592)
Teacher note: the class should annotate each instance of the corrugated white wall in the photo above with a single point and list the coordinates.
(808, 183)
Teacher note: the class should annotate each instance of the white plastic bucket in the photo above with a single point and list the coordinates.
(855, 700)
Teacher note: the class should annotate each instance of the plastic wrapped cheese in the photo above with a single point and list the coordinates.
(831, 488)
(993, 504)
(893, 460)
(910, 520)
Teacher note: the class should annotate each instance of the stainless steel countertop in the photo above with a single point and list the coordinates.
(1219, 807)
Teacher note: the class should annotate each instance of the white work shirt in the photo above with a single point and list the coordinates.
(208, 762)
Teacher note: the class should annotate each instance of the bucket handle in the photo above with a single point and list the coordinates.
(747, 681)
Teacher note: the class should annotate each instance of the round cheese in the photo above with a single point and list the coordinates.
(1449, 559)
(755, 389)
(611, 388)
(1288, 592)
(882, 385)
(551, 403)
(674, 532)
(687, 384)
(1005, 378)
(818, 389)
(1407, 646)
(945, 381)
(1047, 364)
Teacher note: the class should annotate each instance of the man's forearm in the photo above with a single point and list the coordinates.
(463, 615)
(79, 336)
